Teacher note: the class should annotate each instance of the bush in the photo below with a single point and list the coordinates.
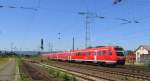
(148, 64)
(51, 71)
(73, 78)
(66, 77)
(62, 76)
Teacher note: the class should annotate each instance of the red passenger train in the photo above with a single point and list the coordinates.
(105, 55)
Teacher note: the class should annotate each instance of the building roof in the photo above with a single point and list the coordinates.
(147, 47)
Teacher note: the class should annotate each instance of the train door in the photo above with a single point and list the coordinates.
(91, 56)
(87, 56)
(95, 56)
(69, 56)
(99, 56)
(106, 55)
(109, 53)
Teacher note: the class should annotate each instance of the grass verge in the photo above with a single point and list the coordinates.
(62, 76)
(3, 60)
(23, 76)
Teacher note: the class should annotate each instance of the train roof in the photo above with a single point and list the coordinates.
(87, 49)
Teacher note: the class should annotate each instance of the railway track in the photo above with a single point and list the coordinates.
(138, 68)
(35, 73)
(80, 75)
(136, 74)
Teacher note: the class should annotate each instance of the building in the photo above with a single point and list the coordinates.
(142, 54)
(131, 57)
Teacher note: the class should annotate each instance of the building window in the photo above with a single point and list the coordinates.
(148, 52)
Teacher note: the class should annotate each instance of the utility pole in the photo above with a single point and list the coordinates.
(73, 44)
(88, 15)
(87, 32)
(50, 46)
(11, 47)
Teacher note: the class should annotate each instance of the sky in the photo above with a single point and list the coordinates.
(22, 29)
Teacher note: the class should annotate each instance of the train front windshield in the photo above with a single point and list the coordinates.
(120, 53)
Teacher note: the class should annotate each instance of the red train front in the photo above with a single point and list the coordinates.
(105, 55)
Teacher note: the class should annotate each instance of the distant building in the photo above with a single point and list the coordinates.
(131, 57)
(143, 54)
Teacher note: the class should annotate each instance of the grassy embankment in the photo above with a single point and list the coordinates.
(56, 73)
(143, 66)
(23, 76)
(60, 75)
(3, 60)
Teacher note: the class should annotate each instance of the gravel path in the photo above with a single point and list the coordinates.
(8, 72)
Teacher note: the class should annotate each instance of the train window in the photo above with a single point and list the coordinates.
(99, 53)
(118, 49)
(86, 54)
(120, 53)
(103, 52)
(79, 54)
(94, 53)
(82, 54)
(109, 53)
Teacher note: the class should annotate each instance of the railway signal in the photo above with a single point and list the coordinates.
(42, 43)
(59, 35)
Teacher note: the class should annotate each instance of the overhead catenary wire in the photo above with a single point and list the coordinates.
(126, 20)
(17, 5)
(20, 7)
(88, 15)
